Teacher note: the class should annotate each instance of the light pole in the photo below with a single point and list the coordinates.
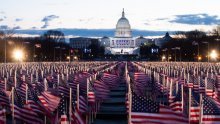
(54, 53)
(61, 51)
(175, 53)
(165, 50)
(36, 46)
(196, 44)
(208, 49)
(180, 55)
(179, 48)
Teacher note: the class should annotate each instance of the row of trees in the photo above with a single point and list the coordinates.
(47, 47)
(192, 45)
(50, 46)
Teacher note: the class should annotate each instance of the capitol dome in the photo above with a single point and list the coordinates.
(123, 28)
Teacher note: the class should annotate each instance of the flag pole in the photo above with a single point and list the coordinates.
(201, 109)
(15, 79)
(26, 91)
(13, 112)
(205, 84)
(130, 105)
(182, 100)
(190, 99)
(171, 87)
(70, 105)
(88, 119)
(77, 97)
(5, 79)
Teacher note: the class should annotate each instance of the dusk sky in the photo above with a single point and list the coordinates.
(169, 15)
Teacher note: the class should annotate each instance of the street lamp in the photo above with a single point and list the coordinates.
(199, 58)
(177, 48)
(18, 54)
(165, 51)
(54, 53)
(75, 58)
(68, 58)
(213, 55)
(163, 58)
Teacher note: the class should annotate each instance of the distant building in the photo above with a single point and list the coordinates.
(143, 41)
(105, 41)
(82, 42)
(160, 41)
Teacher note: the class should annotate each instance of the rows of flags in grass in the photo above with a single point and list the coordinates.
(173, 92)
(55, 92)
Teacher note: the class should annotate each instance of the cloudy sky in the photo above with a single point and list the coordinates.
(169, 15)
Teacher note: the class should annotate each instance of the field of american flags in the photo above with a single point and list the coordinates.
(184, 92)
(157, 92)
(53, 93)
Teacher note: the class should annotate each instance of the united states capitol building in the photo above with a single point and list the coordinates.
(122, 43)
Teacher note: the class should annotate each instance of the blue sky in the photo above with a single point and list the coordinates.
(157, 15)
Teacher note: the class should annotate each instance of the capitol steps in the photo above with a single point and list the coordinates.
(113, 110)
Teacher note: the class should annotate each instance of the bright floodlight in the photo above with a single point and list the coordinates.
(18, 54)
(213, 54)
(199, 58)
(75, 57)
(163, 58)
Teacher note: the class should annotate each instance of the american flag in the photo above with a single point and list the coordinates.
(2, 116)
(195, 107)
(76, 115)
(23, 112)
(176, 105)
(91, 93)
(4, 100)
(211, 111)
(196, 84)
(49, 101)
(110, 79)
(190, 81)
(172, 91)
(139, 83)
(210, 87)
(145, 110)
(218, 86)
(22, 90)
(2, 84)
(83, 106)
(32, 102)
(63, 110)
(64, 90)
(202, 86)
(102, 90)
(77, 118)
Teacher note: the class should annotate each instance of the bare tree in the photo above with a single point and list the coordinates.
(54, 35)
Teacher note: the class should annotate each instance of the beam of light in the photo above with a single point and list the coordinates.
(213, 54)
(18, 54)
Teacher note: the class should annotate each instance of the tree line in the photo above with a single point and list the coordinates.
(192, 45)
(52, 46)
